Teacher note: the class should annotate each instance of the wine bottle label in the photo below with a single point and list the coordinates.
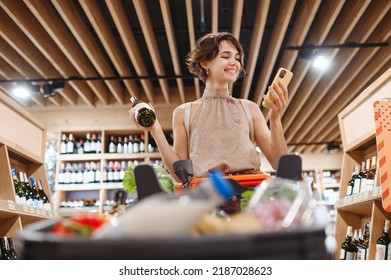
(361, 254)
(356, 187)
(142, 105)
(380, 252)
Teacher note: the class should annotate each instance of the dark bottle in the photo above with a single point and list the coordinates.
(348, 250)
(144, 114)
(383, 242)
(12, 250)
(362, 252)
(5, 254)
(349, 190)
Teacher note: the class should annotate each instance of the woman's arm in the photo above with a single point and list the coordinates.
(168, 153)
(271, 141)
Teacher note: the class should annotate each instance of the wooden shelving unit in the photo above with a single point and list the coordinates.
(22, 142)
(101, 191)
(359, 143)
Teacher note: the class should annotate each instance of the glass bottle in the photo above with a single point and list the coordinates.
(5, 254)
(144, 114)
(12, 250)
(349, 190)
(383, 242)
(348, 251)
(362, 252)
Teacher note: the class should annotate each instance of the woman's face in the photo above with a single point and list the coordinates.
(225, 67)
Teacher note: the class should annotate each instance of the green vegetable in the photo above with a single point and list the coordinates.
(245, 198)
(165, 180)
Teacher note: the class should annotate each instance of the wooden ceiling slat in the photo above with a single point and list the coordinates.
(342, 61)
(255, 44)
(215, 16)
(14, 59)
(98, 21)
(172, 46)
(8, 72)
(328, 13)
(64, 39)
(376, 64)
(117, 12)
(25, 48)
(149, 36)
(299, 31)
(190, 28)
(304, 96)
(237, 18)
(75, 23)
(283, 18)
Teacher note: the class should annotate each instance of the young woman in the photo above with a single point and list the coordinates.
(214, 131)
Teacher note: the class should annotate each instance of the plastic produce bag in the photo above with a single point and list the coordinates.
(282, 204)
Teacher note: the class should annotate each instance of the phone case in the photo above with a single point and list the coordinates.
(285, 76)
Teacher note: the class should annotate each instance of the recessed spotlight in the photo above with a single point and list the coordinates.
(321, 63)
(22, 91)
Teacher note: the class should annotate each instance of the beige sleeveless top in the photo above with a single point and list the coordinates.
(219, 136)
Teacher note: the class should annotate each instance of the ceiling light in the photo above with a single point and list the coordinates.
(24, 91)
(321, 63)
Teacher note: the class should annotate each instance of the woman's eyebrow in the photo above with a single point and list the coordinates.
(228, 52)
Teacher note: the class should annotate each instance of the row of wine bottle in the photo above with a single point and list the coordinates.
(90, 172)
(7, 249)
(31, 195)
(364, 179)
(131, 144)
(91, 144)
(355, 246)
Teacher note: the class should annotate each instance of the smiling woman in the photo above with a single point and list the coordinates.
(219, 131)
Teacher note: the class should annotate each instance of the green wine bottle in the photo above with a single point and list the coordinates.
(145, 116)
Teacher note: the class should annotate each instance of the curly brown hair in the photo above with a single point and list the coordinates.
(207, 48)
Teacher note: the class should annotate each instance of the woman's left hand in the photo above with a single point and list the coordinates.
(280, 97)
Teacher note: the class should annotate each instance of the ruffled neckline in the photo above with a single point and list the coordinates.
(216, 93)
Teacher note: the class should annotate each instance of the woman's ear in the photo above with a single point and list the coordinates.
(204, 65)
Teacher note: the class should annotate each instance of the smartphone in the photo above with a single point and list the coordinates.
(285, 77)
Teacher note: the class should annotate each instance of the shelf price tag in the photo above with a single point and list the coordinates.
(11, 205)
(26, 209)
(32, 210)
(44, 213)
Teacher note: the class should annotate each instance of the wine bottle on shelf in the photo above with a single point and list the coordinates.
(370, 180)
(12, 249)
(362, 252)
(71, 144)
(38, 201)
(98, 144)
(63, 144)
(144, 114)
(27, 191)
(4, 249)
(348, 250)
(359, 180)
(112, 145)
(142, 143)
(93, 144)
(383, 242)
(349, 190)
(46, 202)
